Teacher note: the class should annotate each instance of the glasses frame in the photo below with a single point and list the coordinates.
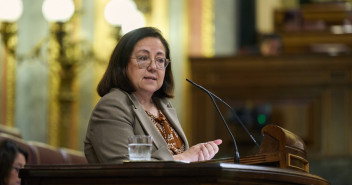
(167, 62)
(17, 169)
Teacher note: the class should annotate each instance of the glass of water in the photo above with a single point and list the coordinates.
(140, 147)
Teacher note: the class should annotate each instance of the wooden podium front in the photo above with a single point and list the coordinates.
(164, 173)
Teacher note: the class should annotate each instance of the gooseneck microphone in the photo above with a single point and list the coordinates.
(237, 155)
(232, 111)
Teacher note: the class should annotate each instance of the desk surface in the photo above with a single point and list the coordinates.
(164, 173)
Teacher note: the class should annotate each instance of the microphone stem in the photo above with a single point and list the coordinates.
(237, 155)
(232, 111)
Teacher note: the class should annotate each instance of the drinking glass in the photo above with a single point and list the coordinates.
(140, 147)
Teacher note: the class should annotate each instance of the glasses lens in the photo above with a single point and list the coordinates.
(160, 63)
(144, 62)
(16, 169)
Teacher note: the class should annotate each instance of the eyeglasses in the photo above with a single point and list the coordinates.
(144, 62)
(17, 169)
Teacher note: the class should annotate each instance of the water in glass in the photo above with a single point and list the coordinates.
(139, 151)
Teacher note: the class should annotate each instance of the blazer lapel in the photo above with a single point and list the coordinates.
(171, 115)
(147, 123)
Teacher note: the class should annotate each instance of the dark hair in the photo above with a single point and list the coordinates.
(115, 75)
(8, 154)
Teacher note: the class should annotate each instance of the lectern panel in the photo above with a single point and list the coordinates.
(164, 173)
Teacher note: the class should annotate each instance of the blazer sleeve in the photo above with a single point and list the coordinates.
(110, 125)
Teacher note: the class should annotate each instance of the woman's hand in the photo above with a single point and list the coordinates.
(200, 152)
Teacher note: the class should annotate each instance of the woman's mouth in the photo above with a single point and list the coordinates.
(150, 78)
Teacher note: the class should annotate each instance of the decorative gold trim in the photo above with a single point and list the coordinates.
(102, 39)
(53, 84)
(186, 119)
(8, 32)
(145, 6)
(208, 28)
(301, 159)
(159, 16)
(63, 60)
(10, 90)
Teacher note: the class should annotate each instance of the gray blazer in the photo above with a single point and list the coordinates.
(118, 115)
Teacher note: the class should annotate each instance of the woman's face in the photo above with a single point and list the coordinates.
(19, 162)
(146, 80)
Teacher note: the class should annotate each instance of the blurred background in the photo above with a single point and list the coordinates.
(286, 62)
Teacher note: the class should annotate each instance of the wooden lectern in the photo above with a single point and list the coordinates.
(165, 172)
(280, 148)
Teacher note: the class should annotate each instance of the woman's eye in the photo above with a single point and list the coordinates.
(160, 60)
(142, 58)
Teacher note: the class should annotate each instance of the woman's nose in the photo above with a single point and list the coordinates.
(152, 64)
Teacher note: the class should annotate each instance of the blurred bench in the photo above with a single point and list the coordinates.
(10, 130)
(41, 153)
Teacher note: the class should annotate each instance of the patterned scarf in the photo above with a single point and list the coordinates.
(174, 142)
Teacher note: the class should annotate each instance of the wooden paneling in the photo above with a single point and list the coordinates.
(323, 27)
(307, 95)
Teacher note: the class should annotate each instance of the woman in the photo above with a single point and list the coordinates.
(12, 159)
(135, 91)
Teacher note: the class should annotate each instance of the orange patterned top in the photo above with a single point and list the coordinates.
(174, 142)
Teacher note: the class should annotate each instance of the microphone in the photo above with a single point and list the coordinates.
(237, 155)
(232, 111)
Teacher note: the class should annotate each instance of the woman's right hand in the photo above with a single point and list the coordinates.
(199, 152)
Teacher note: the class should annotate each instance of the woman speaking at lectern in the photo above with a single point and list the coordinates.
(135, 92)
